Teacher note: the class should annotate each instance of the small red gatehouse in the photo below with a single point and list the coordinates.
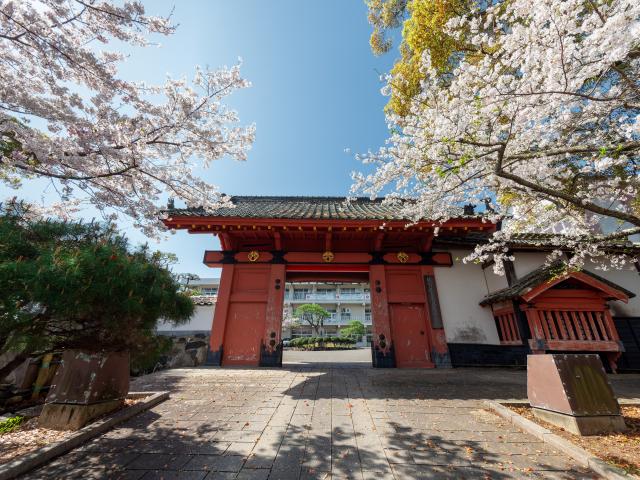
(267, 241)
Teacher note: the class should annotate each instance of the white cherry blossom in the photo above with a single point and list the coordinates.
(541, 125)
(66, 115)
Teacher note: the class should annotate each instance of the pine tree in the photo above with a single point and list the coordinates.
(79, 285)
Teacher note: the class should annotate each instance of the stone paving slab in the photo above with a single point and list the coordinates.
(323, 423)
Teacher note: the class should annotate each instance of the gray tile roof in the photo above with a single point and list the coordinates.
(530, 241)
(537, 277)
(204, 281)
(318, 208)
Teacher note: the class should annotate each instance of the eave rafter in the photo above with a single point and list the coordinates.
(214, 224)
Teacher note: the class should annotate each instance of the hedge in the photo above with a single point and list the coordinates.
(324, 342)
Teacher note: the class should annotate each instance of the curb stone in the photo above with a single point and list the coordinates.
(579, 454)
(35, 459)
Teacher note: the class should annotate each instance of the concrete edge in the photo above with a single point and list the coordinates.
(35, 459)
(579, 454)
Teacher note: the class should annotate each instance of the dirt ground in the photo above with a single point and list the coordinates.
(619, 449)
(29, 436)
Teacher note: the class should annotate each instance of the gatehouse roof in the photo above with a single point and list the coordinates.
(298, 208)
(551, 275)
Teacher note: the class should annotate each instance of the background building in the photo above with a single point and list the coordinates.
(344, 301)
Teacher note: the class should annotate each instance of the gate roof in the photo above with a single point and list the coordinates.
(307, 208)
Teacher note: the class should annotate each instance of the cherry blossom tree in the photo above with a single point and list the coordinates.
(538, 120)
(66, 115)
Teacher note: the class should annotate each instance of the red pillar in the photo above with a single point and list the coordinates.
(216, 339)
(271, 348)
(382, 348)
(438, 340)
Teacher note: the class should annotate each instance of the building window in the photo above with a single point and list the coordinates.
(209, 290)
(328, 293)
(300, 293)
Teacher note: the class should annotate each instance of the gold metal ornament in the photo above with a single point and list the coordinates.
(253, 256)
(402, 257)
(328, 257)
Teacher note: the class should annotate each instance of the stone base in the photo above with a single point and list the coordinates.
(67, 416)
(591, 425)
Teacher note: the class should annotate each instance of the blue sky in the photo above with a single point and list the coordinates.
(316, 91)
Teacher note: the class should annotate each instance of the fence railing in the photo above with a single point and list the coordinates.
(576, 325)
(508, 331)
(339, 321)
(333, 297)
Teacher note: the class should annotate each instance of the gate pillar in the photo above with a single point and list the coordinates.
(382, 349)
(438, 340)
(271, 346)
(219, 320)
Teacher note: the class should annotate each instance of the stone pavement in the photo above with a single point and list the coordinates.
(327, 423)
(333, 358)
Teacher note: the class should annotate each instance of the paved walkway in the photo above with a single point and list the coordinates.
(298, 423)
(332, 358)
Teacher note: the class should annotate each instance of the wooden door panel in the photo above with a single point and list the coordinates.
(410, 335)
(405, 285)
(245, 327)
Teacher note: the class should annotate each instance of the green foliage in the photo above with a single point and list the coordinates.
(10, 424)
(423, 30)
(384, 15)
(79, 285)
(310, 343)
(313, 314)
(312, 309)
(192, 292)
(354, 329)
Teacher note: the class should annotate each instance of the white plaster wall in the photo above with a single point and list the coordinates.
(201, 319)
(627, 278)
(460, 289)
(527, 262)
(494, 282)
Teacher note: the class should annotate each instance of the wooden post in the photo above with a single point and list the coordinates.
(220, 316)
(382, 344)
(271, 349)
(438, 340)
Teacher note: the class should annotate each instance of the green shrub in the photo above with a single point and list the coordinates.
(10, 424)
(300, 341)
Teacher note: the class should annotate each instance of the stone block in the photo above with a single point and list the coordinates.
(65, 416)
(90, 377)
(88, 385)
(587, 425)
(572, 391)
